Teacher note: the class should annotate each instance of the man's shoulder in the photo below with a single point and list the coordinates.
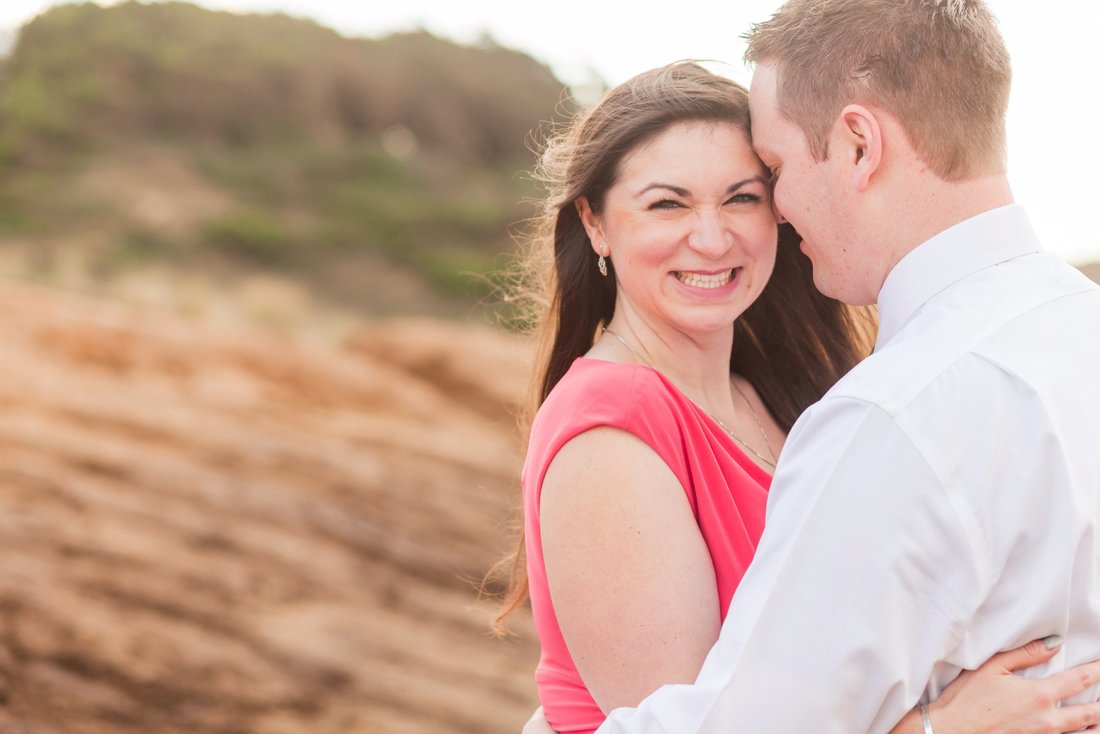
(1020, 324)
(893, 379)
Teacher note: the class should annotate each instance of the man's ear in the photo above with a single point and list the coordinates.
(591, 225)
(859, 141)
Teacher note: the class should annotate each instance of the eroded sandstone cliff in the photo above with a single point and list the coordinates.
(210, 530)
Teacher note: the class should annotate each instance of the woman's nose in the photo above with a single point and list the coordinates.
(711, 236)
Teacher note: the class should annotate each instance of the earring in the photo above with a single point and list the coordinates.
(601, 264)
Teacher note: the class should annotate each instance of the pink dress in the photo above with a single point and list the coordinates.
(726, 490)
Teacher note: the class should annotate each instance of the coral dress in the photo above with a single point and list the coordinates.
(726, 490)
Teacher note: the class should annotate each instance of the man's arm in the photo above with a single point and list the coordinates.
(864, 578)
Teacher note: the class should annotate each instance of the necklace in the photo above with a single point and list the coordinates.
(759, 424)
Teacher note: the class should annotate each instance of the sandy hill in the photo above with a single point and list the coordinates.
(205, 530)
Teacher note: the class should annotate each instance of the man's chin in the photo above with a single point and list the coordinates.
(838, 289)
(822, 283)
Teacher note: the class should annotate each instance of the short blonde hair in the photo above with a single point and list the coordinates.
(939, 66)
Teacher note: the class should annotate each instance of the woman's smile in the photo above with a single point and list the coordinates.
(706, 281)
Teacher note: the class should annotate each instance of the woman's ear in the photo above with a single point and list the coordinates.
(859, 139)
(591, 225)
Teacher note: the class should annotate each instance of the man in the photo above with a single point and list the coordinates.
(942, 502)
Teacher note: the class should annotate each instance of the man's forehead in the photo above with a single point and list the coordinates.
(764, 82)
(762, 91)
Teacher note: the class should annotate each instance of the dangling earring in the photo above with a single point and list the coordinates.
(601, 264)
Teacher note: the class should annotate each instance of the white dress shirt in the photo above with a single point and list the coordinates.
(939, 504)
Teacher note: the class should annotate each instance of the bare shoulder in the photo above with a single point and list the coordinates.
(606, 461)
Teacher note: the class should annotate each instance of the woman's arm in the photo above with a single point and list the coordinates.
(630, 576)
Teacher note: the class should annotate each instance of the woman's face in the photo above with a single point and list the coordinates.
(689, 227)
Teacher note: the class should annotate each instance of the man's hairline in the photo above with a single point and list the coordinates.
(775, 63)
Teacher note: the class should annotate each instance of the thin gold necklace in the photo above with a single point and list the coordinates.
(759, 424)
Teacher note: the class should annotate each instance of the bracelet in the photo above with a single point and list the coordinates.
(925, 719)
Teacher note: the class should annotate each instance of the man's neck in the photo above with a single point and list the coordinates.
(935, 205)
(958, 201)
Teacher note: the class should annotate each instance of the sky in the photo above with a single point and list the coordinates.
(1053, 136)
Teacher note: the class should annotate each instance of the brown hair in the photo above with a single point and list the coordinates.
(792, 344)
(939, 66)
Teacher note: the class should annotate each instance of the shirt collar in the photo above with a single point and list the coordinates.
(974, 244)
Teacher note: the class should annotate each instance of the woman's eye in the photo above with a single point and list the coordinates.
(665, 204)
(743, 199)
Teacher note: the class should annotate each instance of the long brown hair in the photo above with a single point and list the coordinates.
(792, 344)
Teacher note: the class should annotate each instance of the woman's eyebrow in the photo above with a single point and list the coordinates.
(678, 190)
(681, 191)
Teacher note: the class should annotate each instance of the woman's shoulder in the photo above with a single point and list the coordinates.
(600, 394)
(587, 373)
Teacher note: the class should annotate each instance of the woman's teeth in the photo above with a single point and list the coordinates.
(697, 280)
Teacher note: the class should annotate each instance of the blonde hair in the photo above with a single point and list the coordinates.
(939, 66)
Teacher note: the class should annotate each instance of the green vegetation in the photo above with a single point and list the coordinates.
(252, 234)
(266, 142)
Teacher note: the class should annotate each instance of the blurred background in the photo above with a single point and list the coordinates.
(258, 387)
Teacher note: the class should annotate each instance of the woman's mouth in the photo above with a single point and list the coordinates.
(706, 280)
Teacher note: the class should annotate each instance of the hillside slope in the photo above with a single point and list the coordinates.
(208, 530)
(215, 142)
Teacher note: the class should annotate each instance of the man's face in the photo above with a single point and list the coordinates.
(808, 194)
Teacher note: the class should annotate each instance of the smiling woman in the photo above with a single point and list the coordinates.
(689, 228)
(670, 377)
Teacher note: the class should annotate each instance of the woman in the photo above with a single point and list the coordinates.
(671, 378)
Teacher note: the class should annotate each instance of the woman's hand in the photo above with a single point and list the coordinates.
(993, 700)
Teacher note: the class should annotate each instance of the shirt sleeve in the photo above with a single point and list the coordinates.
(864, 578)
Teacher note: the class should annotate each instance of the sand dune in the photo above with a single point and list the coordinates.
(205, 530)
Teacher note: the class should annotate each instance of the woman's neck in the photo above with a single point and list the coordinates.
(699, 365)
